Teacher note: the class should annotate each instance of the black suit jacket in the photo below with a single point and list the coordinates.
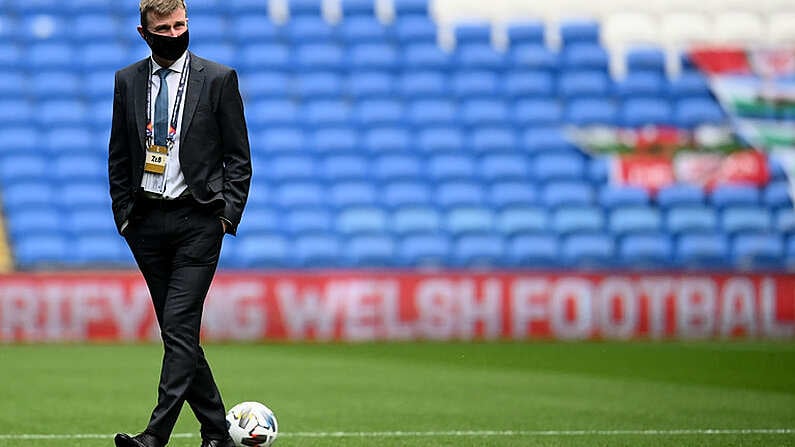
(214, 151)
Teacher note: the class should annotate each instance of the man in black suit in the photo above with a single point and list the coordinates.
(179, 170)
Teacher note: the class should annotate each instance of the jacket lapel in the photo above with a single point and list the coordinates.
(140, 84)
(192, 93)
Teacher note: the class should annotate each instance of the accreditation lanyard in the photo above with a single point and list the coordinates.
(172, 128)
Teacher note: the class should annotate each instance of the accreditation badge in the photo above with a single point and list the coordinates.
(155, 169)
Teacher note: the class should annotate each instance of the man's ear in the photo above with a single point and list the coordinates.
(140, 31)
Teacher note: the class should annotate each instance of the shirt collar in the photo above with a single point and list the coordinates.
(176, 66)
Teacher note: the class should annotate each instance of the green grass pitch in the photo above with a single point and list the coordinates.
(423, 394)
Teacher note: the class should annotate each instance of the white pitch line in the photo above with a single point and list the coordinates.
(451, 433)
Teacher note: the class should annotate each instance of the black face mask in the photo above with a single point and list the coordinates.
(167, 47)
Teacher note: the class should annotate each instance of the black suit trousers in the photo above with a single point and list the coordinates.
(176, 245)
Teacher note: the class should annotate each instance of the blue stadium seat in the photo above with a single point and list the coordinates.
(12, 82)
(379, 112)
(634, 220)
(98, 87)
(50, 56)
(475, 84)
(479, 57)
(789, 253)
(567, 193)
(526, 32)
(740, 219)
(681, 194)
(279, 140)
(484, 112)
(585, 56)
(352, 194)
(512, 193)
(487, 140)
(41, 251)
(108, 55)
(591, 112)
(689, 84)
(653, 250)
(357, 8)
(691, 112)
(62, 113)
(642, 84)
(599, 170)
(403, 194)
(612, 196)
(588, 251)
(534, 250)
(361, 220)
(95, 6)
(304, 8)
(319, 56)
(438, 140)
(100, 250)
(415, 219)
(553, 167)
(326, 113)
(63, 84)
(541, 112)
(479, 250)
(735, 195)
(584, 84)
(387, 140)
(777, 195)
(576, 31)
(16, 112)
(334, 140)
(691, 219)
(432, 112)
(318, 85)
(459, 193)
(27, 195)
(533, 57)
(528, 84)
(207, 26)
(702, 250)
(72, 167)
(358, 30)
(16, 168)
(522, 220)
(373, 56)
(84, 194)
(445, 167)
(416, 84)
(373, 250)
(61, 140)
(776, 169)
(262, 250)
(316, 250)
(10, 53)
(252, 27)
(292, 167)
(641, 112)
(581, 219)
(410, 8)
(96, 221)
(305, 221)
(272, 112)
(472, 32)
(299, 193)
(758, 251)
(33, 221)
(371, 85)
(424, 250)
(337, 168)
(259, 56)
(467, 220)
(262, 220)
(413, 30)
(397, 167)
(645, 59)
(504, 167)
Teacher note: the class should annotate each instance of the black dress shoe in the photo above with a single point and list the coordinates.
(141, 440)
(218, 442)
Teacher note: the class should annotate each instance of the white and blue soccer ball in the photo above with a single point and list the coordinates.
(252, 424)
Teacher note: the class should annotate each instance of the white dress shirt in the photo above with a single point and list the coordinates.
(175, 180)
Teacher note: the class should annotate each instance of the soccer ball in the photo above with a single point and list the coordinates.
(252, 424)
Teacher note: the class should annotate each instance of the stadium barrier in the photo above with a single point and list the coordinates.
(363, 306)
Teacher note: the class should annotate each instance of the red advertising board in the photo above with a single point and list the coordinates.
(361, 306)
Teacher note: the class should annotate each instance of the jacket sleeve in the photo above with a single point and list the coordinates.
(119, 170)
(237, 155)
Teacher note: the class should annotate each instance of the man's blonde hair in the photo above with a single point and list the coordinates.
(160, 8)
